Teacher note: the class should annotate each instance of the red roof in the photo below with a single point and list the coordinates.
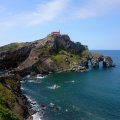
(55, 33)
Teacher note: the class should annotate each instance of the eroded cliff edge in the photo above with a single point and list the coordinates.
(13, 105)
(51, 54)
(54, 53)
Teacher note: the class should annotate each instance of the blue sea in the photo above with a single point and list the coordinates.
(91, 95)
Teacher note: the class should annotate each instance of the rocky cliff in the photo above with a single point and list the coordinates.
(54, 53)
(13, 58)
(51, 54)
(13, 105)
(42, 56)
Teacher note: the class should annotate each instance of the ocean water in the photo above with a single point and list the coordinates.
(91, 95)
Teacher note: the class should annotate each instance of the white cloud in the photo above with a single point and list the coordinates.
(44, 12)
(95, 8)
(47, 12)
(59, 9)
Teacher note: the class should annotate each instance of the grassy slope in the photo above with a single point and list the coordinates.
(65, 59)
(7, 98)
(12, 46)
(6, 114)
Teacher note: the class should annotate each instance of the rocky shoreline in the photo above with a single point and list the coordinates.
(54, 53)
(21, 106)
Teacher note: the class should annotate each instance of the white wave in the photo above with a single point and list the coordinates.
(52, 104)
(34, 81)
(22, 81)
(36, 107)
(54, 87)
(22, 88)
(70, 81)
(30, 80)
(36, 116)
(29, 98)
(66, 110)
(39, 76)
(28, 76)
(32, 101)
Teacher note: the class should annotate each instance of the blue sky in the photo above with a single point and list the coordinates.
(95, 23)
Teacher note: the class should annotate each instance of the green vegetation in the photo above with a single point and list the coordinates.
(11, 80)
(6, 114)
(7, 102)
(85, 53)
(7, 96)
(96, 55)
(65, 59)
(60, 61)
(11, 46)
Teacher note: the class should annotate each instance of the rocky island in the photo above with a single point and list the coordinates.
(54, 53)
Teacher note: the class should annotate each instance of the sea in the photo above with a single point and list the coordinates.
(90, 95)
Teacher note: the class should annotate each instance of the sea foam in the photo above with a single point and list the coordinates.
(40, 77)
(53, 87)
(36, 116)
(70, 81)
(35, 81)
(35, 106)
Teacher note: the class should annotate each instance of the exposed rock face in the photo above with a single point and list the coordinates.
(51, 54)
(78, 68)
(107, 61)
(14, 100)
(11, 59)
(43, 56)
(37, 56)
(64, 42)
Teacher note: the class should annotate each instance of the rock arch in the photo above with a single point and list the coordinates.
(106, 61)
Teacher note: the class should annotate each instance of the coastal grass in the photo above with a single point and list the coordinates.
(12, 46)
(7, 96)
(7, 101)
(6, 114)
(65, 59)
(11, 80)
(60, 61)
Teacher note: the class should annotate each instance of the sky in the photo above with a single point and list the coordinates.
(95, 23)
